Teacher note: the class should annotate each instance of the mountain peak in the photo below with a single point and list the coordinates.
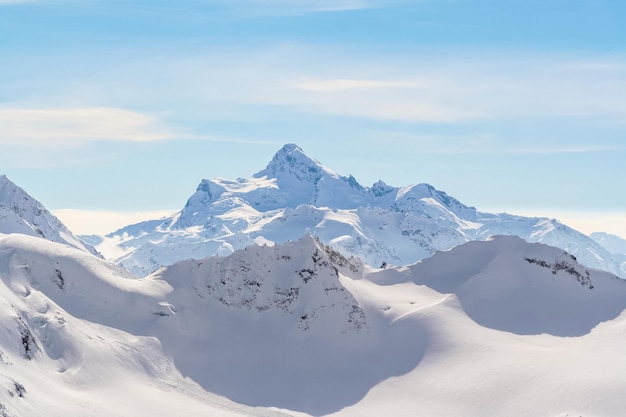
(290, 147)
(21, 213)
(5, 185)
(295, 194)
(15, 198)
(380, 188)
(291, 161)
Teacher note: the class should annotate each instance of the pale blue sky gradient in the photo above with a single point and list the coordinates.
(124, 106)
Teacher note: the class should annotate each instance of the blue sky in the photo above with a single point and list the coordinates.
(111, 111)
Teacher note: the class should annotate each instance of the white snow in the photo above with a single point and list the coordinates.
(21, 213)
(496, 327)
(83, 320)
(280, 324)
(295, 194)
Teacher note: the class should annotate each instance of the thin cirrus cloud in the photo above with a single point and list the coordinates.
(412, 100)
(467, 88)
(350, 85)
(437, 90)
(301, 6)
(71, 126)
(486, 144)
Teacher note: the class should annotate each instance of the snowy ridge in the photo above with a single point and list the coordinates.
(614, 244)
(20, 213)
(304, 283)
(486, 328)
(509, 284)
(71, 343)
(295, 194)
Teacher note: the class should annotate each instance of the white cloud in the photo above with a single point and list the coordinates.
(347, 85)
(299, 6)
(223, 83)
(486, 143)
(87, 222)
(388, 108)
(418, 87)
(468, 89)
(416, 99)
(71, 126)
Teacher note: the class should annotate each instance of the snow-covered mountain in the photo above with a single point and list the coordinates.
(72, 340)
(614, 244)
(21, 213)
(610, 242)
(496, 327)
(295, 194)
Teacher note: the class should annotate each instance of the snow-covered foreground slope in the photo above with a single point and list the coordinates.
(295, 195)
(518, 330)
(71, 345)
(21, 213)
(496, 327)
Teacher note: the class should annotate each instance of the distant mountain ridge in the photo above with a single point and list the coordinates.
(21, 213)
(610, 242)
(295, 194)
(614, 244)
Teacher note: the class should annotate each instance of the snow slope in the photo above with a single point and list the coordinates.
(295, 194)
(502, 297)
(71, 340)
(612, 243)
(520, 330)
(495, 327)
(20, 213)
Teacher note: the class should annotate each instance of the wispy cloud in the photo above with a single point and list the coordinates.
(4, 2)
(372, 106)
(549, 150)
(300, 6)
(223, 83)
(485, 144)
(404, 88)
(71, 126)
(350, 85)
(405, 100)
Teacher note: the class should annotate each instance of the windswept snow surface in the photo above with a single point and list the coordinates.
(77, 339)
(495, 327)
(21, 213)
(295, 194)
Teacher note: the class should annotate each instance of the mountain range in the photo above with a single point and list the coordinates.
(495, 327)
(295, 194)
